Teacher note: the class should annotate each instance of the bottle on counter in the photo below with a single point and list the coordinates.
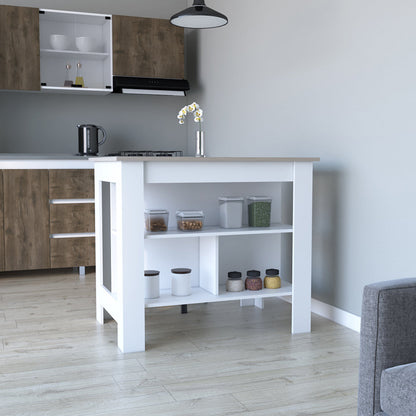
(272, 279)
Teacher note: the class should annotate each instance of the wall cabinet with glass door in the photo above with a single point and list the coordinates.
(75, 52)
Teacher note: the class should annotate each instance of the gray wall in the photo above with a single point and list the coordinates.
(38, 122)
(334, 79)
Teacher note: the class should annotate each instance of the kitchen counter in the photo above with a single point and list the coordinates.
(126, 186)
(44, 161)
(202, 159)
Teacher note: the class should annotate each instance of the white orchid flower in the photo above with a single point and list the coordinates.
(191, 108)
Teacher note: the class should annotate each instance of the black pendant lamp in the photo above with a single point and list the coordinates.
(199, 16)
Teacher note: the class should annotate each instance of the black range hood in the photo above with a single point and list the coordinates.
(152, 86)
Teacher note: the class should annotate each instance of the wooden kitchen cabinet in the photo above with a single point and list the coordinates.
(147, 48)
(19, 48)
(72, 252)
(46, 218)
(72, 217)
(71, 183)
(26, 219)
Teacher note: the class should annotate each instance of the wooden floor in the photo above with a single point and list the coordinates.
(219, 359)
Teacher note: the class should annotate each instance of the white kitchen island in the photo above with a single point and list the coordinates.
(125, 186)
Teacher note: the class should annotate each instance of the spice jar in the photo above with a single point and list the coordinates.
(272, 279)
(253, 280)
(234, 282)
(181, 282)
(151, 284)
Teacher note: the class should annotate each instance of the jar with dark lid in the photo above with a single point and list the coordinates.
(181, 281)
(234, 282)
(272, 279)
(151, 284)
(253, 280)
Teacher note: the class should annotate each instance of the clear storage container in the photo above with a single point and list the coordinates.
(231, 211)
(259, 208)
(189, 220)
(156, 220)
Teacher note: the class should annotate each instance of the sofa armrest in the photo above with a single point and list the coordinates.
(388, 336)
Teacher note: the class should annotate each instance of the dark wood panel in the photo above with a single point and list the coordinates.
(145, 47)
(26, 219)
(72, 218)
(19, 48)
(72, 252)
(1, 224)
(71, 183)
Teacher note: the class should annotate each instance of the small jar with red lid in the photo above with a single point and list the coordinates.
(253, 280)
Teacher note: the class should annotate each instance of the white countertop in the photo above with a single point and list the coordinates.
(45, 161)
(203, 159)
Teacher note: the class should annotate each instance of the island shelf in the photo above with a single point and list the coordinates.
(124, 187)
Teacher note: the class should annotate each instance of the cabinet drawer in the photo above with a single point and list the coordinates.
(72, 252)
(71, 218)
(71, 183)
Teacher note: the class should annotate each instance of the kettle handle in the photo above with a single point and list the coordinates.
(104, 136)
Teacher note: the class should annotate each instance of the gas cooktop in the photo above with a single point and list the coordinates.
(152, 153)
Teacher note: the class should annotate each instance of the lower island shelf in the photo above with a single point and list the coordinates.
(200, 295)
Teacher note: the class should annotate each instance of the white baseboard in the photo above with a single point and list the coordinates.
(337, 315)
(334, 314)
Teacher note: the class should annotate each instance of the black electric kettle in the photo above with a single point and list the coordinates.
(88, 139)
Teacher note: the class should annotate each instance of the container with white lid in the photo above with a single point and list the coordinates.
(231, 211)
(156, 219)
(259, 209)
(189, 220)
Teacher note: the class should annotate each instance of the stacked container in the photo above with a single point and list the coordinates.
(259, 208)
(231, 211)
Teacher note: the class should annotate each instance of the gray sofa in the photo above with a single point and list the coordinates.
(387, 382)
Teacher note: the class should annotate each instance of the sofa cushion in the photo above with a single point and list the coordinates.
(398, 390)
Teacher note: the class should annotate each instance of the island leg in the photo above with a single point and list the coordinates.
(302, 247)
